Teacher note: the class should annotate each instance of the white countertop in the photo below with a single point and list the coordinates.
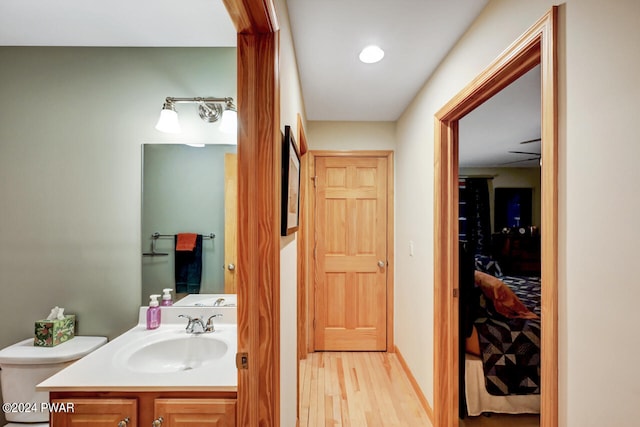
(106, 370)
(207, 300)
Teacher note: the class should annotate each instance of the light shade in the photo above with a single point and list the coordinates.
(371, 54)
(229, 121)
(168, 121)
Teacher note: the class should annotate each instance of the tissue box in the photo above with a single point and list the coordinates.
(50, 333)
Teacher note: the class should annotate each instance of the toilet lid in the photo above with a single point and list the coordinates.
(25, 353)
(27, 425)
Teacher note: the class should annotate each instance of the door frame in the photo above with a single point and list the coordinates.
(259, 158)
(309, 227)
(538, 45)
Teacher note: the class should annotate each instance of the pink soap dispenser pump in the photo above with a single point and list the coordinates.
(153, 313)
(166, 297)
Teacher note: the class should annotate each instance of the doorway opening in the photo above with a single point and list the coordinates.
(499, 258)
(536, 46)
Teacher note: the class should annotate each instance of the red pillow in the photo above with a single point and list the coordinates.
(504, 300)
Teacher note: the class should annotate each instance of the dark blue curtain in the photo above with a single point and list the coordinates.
(475, 215)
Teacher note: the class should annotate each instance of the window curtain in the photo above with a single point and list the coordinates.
(475, 215)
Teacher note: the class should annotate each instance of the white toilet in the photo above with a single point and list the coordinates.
(24, 366)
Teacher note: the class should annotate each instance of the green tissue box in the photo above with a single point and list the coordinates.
(50, 333)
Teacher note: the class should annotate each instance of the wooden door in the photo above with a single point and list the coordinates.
(230, 221)
(351, 254)
(93, 412)
(196, 412)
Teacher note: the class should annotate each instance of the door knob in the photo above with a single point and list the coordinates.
(380, 263)
(123, 422)
(231, 267)
(157, 422)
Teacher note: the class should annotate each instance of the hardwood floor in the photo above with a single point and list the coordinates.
(357, 389)
(502, 420)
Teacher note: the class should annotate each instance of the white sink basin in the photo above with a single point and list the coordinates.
(177, 354)
(167, 358)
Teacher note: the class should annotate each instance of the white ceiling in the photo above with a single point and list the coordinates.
(328, 35)
(501, 124)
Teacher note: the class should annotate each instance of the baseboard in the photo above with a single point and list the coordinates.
(423, 400)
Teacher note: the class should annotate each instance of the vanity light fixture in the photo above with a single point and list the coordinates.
(371, 54)
(210, 110)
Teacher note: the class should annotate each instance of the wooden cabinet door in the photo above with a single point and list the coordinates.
(94, 412)
(196, 412)
(351, 254)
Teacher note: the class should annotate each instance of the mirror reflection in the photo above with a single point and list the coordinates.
(188, 219)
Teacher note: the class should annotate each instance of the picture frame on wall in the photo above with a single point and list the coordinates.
(290, 212)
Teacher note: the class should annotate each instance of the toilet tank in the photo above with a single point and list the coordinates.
(24, 366)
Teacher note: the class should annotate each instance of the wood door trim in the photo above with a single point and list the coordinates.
(303, 238)
(259, 157)
(414, 384)
(302, 259)
(390, 240)
(537, 45)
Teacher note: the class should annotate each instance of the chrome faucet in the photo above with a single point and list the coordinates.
(218, 302)
(210, 326)
(193, 322)
(197, 326)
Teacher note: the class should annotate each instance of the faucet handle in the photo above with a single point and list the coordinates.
(210, 326)
(189, 323)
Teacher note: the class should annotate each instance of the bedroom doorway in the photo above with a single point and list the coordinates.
(536, 46)
(499, 222)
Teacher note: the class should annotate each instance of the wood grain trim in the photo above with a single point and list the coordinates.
(364, 153)
(302, 242)
(390, 252)
(390, 239)
(445, 259)
(549, 224)
(421, 397)
(252, 16)
(310, 208)
(303, 261)
(258, 281)
(537, 45)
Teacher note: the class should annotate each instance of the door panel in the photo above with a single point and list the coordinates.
(230, 221)
(351, 241)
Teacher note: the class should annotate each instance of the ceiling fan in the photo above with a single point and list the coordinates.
(536, 156)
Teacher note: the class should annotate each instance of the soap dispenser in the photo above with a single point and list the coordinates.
(153, 313)
(166, 297)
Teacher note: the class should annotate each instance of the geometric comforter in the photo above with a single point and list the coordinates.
(510, 352)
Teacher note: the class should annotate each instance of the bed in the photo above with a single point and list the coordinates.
(501, 372)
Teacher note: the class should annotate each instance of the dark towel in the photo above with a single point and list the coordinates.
(188, 269)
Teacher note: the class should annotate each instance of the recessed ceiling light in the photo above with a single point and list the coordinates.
(371, 54)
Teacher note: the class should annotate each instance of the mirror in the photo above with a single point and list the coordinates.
(188, 189)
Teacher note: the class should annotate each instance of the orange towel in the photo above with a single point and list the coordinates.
(186, 241)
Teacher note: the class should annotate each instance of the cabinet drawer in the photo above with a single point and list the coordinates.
(196, 412)
(81, 412)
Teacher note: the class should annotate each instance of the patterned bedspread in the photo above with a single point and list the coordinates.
(511, 347)
(527, 289)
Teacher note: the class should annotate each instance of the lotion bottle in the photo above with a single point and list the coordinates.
(153, 313)
(166, 297)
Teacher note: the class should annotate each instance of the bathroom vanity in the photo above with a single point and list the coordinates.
(161, 377)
